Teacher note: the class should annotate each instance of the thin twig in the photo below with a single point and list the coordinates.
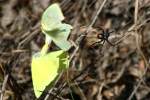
(136, 12)
(50, 91)
(29, 35)
(4, 86)
(121, 72)
(96, 16)
(99, 96)
(79, 91)
(146, 65)
(58, 97)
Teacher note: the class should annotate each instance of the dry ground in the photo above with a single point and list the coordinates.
(100, 72)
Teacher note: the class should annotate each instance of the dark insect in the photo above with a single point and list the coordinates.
(103, 36)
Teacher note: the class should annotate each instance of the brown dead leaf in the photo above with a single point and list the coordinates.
(141, 65)
(44, 3)
(8, 13)
(135, 71)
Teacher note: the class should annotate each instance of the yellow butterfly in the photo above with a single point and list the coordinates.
(45, 69)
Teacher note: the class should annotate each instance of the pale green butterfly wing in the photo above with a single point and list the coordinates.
(44, 70)
(54, 29)
(60, 36)
(51, 18)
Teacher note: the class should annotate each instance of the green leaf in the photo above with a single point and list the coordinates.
(46, 68)
(54, 29)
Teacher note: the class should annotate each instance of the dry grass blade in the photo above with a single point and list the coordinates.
(97, 13)
(138, 38)
(136, 11)
(4, 86)
(138, 45)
